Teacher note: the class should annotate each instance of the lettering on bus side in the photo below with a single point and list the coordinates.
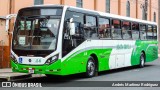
(125, 46)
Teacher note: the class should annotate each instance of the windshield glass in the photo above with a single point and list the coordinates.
(36, 30)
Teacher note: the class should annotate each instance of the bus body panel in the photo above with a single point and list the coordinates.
(110, 53)
(109, 57)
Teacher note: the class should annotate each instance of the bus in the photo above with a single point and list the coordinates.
(65, 40)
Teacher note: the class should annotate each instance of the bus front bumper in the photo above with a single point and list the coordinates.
(54, 69)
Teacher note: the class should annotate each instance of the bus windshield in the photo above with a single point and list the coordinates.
(37, 29)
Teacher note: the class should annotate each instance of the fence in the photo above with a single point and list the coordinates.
(1, 52)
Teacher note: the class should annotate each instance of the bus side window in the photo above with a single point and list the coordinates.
(104, 28)
(90, 28)
(143, 33)
(150, 33)
(116, 29)
(155, 32)
(126, 30)
(135, 31)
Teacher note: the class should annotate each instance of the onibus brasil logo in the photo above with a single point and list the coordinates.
(14, 84)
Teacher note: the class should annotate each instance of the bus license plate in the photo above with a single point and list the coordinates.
(31, 71)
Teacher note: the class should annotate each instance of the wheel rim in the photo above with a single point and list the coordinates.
(142, 60)
(91, 67)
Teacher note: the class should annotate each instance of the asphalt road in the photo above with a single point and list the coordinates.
(151, 72)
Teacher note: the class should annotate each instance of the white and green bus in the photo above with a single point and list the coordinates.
(65, 40)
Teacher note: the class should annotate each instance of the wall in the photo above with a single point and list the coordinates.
(18, 4)
(4, 7)
(88, 4)
(101, 7)
(114, 7)
(4, 36)
(52, 2)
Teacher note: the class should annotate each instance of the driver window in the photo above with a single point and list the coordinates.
(49, 32)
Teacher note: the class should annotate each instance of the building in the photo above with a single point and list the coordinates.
(140, 9)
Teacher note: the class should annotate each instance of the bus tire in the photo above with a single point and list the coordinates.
(90, 67)
(142, 60)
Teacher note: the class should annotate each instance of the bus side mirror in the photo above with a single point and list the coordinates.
(72, 27)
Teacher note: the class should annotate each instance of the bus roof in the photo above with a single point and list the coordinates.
(97, 12)
(115, 16)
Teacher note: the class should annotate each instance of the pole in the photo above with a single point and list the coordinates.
(159, 22)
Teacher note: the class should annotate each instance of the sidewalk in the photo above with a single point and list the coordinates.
(7, 75)
(5, 70)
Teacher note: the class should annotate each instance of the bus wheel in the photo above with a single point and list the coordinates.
(142, 60)
(91, 67)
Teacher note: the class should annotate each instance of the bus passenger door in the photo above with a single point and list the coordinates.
(117, 56)
(120, 61)
(112, 62)
(71, 42)
(116, 60)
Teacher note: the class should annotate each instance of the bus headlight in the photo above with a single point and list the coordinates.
(13, 58)
(52, 60)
